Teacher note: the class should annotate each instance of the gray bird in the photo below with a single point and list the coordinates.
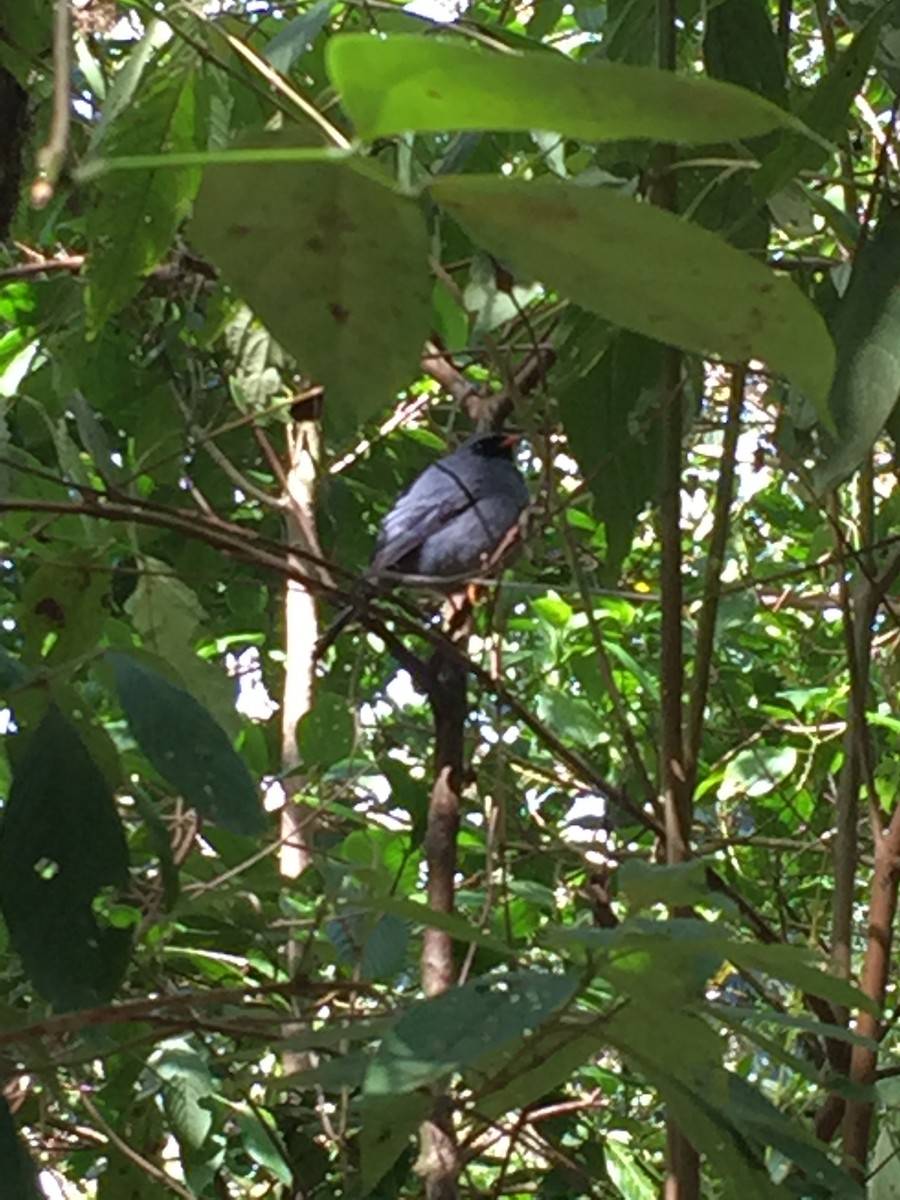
(450, 521)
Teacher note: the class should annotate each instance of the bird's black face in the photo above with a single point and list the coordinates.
(496, 445)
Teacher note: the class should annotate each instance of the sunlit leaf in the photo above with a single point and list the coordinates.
(312, 253)
(424, 84)
(687, 286)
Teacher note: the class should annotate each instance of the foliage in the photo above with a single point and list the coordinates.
(682, 286)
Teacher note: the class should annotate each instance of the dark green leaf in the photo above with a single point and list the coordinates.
(613, 408)
(824, 111)
(62, 844)
(867, 337)
(16, 1169)
(388, 1124)
(188, 748)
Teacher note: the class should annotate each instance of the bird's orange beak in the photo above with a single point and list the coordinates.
(511, 439)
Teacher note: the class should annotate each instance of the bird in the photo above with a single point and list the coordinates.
(450, 523)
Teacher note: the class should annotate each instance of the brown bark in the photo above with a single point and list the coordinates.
(439, 1160)
(876, 969)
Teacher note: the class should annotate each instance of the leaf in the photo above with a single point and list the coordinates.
(61, 608)
(187, 1082)
(188, 748)
(757, 770)
(326, 734)
(393, 85)
(644, 883)
(387, 1127)
(12, 674)
(132, 223)
(168, 616)
(293, 40)
(799, 966)
(685, 285)
(455, 1029)
(61, 846)
(17, 1171)
(614, 405)
(867, 337)
(626, 1172)
(359, 320)
(824, 112)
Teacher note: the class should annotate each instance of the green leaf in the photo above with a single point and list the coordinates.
(797, 965)
(17, 1171)
(686, 286)
(61, 608)
(757, 770)
(644, 883)
(342, 230)
(327, 733)
(867, 337)
(187, 1083)
(388, 1124)
(824, 112)
(132, 224)
(188, 748)
(61, 845)
(614, 405)
(627, 1173)
(421, 84)
(293, 40)
(453, 1030)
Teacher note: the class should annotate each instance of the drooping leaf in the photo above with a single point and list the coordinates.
(188, 748)
(867, 336)
(61, 846)
(333, 262)
(426, 85)
(686, 287)
(611, 418)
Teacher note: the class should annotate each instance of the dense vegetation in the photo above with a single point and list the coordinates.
(592, 892)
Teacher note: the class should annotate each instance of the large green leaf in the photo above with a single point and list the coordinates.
(61, 846)
(426, 85)
(188, 748)
(647, 270)
(333, 261)
(867, 336)
(134, 219)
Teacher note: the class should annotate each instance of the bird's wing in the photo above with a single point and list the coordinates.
(428, 506)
